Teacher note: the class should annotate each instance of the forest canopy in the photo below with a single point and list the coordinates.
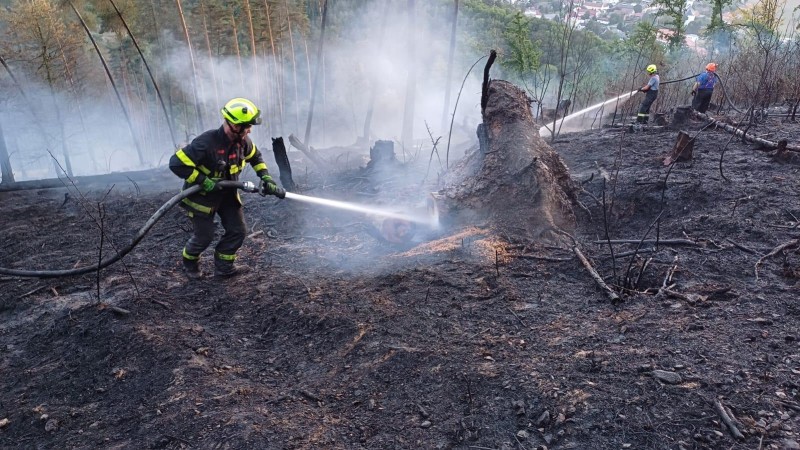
(118, 84)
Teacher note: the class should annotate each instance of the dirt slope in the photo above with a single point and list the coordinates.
(464, 339)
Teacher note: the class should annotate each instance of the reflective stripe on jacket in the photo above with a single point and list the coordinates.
(213, 155)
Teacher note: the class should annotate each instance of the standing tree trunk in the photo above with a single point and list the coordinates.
(450, 56)
(61, 128)
(210, 53)
(78, 105)
(255, 72)
(275, 69)
(317, 74)
(149, 72)
(407, 136)
(374, 82)
(294, 68)
(6, 170)
(236, 47)
(113, 84)
(5, 162)
(194, 68)
(13, 78)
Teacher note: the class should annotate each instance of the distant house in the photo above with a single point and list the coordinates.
(625, 11)
(664, 35)
(694, 43)
(533, 12)
(594, 6)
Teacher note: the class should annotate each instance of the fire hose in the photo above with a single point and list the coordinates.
(246, 186)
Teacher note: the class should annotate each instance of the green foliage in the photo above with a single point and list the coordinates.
(523, 55)
(717, 23)
(486, 24)
(675, 11)
(41, 40)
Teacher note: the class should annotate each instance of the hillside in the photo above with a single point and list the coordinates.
(463, 338)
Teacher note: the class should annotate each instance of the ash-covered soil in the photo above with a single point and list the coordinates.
(462, 339)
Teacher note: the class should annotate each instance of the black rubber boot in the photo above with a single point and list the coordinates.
(191, 268)
(226, 269)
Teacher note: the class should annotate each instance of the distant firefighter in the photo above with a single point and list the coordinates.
(704, 87)
(563, 107)
(651, 93)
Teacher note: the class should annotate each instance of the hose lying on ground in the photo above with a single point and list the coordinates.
(127, 249)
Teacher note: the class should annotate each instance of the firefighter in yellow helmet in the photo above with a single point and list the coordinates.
(651, 93)
(216, 155)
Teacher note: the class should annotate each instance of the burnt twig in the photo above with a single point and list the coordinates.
(641, 242)
(613, 296)
(453, 116)
(727, 420)
(666, 242)
(774, 252)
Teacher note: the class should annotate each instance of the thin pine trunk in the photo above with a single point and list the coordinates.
(194, 67)
(316, 75)
(275, 70)
(450, 56)
(6, 170)
(407, 136)
(59, 118)
(111, 80)
(308, 62)
(78, 104)
(210, 53)
(166, 76)
(236, 46)
(14, 79)
(273, 94)
(5, 162)
(375, 81)
(294, 68)
(149, 72)
(256, 84)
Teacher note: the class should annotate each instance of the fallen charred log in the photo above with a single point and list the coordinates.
(143, 177)
(744, 135)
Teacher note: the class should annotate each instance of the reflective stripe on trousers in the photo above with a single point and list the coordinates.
(232, 217)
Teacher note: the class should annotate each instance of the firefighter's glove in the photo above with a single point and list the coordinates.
(268, 187)
(209, 185)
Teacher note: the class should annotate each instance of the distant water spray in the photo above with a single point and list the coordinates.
(621, 98)
(416, 218)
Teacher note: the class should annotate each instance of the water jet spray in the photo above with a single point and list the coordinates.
(395, 227)
(622, 97)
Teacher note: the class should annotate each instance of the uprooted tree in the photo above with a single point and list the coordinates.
(514, 180)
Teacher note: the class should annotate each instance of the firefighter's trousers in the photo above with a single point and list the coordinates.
(701, 100)
(644, 108)
(232, 218)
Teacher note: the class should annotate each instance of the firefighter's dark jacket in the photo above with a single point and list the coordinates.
(213, 155)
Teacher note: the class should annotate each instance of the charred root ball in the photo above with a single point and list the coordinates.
(514, 181)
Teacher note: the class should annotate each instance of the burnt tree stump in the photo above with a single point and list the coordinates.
(680, 117)
(682, 151)
(514, 181)
(382, 153)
